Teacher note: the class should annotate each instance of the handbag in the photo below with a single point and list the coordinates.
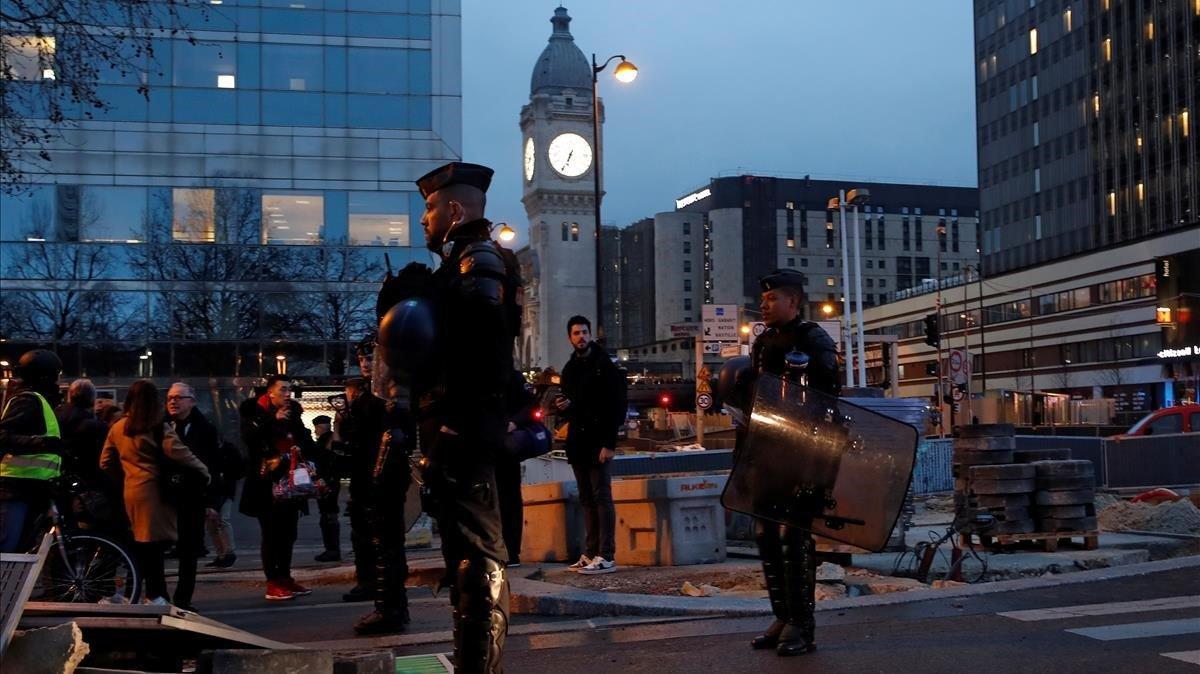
(301, 481)
(178, 484)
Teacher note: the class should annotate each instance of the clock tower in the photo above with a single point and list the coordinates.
(558, 157)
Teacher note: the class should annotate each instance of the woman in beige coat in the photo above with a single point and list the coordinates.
(133, 459)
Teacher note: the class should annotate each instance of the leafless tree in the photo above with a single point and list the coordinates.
(52, 56)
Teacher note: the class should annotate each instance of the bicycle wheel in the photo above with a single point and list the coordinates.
(89, 569)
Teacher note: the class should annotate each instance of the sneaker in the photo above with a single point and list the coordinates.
(329, 556)
(222, 561)
(599, 565)
(278, 592)
(584, 560)
(157, 601)
(296, 588)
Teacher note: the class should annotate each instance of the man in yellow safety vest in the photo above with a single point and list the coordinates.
(30, 446)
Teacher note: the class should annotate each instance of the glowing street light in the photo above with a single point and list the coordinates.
(507, 233)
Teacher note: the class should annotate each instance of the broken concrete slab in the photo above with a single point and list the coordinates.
(830, 573)
(264, 662)
(49, 650)
(882, 585)
(375, 662)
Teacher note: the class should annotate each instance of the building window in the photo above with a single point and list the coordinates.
(293, 67)
(918, 237)
(28, 58)
(880, 236)
(687, 266)
(566, 232)
(204, 64)
(829, 235)
(687, 304)
(828, 262)
(105, 214)
(687, 247)
(293, 218)
(882, 283)
(868, 238)
(379, 219)
(829, 281)
(803, 262)
(687, 228)
(870, 264)
(870, 283)
(687, 284)
(1033, 41)
(883, 264)
(905, 233)
(791, 262)
(954, 235)
(192, 215)
(574, 231)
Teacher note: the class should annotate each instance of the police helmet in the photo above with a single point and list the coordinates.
(406, 334)
(734, 382)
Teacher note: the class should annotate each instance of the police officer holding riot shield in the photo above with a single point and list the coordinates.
(791, 348)
(454, 340)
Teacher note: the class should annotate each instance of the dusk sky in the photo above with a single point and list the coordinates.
(869, 89)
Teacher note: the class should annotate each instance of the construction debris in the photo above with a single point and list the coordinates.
(49, 650)
(1178, 517)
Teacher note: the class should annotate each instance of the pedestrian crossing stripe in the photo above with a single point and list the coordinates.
(436, 663)
(1190, 657)
(1111, 608)
(1144, 630)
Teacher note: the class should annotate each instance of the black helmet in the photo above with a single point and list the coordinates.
(407, 334)
(735, 382)
(38, 367)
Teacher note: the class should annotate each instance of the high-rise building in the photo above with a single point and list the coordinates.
(237, 219)
(730, 231)
(1086, 125)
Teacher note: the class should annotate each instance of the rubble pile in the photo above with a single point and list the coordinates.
(1179, 517)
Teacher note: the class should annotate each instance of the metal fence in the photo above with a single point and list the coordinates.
(1128, 463)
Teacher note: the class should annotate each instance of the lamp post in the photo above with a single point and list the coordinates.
(624, 72)
(857, 197)
(839, 203)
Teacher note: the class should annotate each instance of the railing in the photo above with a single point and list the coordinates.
(1130, 463)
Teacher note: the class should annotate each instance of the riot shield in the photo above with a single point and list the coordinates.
(815, 462)
(412, 499)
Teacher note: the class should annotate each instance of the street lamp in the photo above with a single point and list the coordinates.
(827, 309)
(507, 233)
(624, 72)
(859, 197)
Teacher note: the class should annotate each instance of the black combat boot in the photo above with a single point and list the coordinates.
(771, 552)
(481, 617)
(800, 581)
(382, 621)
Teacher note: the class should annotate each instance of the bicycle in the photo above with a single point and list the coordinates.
(920, 559)
(84, 567)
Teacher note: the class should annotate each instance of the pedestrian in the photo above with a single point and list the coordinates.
(272, 430)
(327, 462)
(788, 554)
(201, 437)
(136, 455)
(458, 390)
(520, 402)
(30, 447)
(82, 433)
(108, 411)
(218, 513)
(360, 427)
(593, 401)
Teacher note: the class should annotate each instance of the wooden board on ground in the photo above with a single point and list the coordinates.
(1048, 541)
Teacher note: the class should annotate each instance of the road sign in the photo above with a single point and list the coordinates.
(731, 350)
(685, 329)
(720, 323)
(712, 347)
(959, 366)
(957, 394)
(704, 400)
(757, 328)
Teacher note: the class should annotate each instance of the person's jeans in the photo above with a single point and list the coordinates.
(220, 529)
(13, 516)
(599, 514)
(150, 561)
(512, 516)
(191, 540)
(278, 527)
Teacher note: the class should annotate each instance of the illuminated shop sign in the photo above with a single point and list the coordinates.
(1185, 352)
(693, 198)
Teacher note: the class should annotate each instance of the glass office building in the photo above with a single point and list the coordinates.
(237, 219)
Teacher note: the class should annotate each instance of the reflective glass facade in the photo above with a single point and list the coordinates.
(248, 204)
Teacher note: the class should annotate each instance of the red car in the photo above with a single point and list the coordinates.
(1179, 419)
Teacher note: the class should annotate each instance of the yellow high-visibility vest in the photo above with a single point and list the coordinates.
(34, 466)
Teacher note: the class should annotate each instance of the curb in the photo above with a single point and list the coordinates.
(537, 597)
(420, 572)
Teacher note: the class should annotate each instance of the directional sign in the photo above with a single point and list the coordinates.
(704, 400)
(720, 323)
(731, 350)
(712, 347)
(685, 329)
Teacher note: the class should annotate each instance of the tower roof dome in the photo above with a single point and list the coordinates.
(562, 65)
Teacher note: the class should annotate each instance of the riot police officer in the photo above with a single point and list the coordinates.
(788, 553)
(455, 343)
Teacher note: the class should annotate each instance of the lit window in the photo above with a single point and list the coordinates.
(1184, 123)
(1096, 104)
(293, 218)
(829, 281)
(1112, 203)
(225, 82)
(1067, 20)
(1107, 47)
(1141, 192)
(378, 218)
(192, 215)
(1037, 180)
(1150, 30)
(1139, 142)
(1033, 41)
(27, 58)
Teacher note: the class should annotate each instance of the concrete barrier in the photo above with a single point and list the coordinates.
(553, 530)
(670, 521)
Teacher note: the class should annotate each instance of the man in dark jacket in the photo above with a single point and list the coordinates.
(460, 389)
(202, 438)
(329, 467)
(360, 427)
(271, 426)
(30, 446)
(82, 433)
(593, 401)
(788, 553)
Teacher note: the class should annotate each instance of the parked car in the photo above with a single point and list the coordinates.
(1179, 419)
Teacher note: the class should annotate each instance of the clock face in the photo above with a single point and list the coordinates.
(570, 154)
(529, 159)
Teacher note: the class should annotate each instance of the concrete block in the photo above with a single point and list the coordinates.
(553, 528)
(670, 521)
(264, 662)
(50, 650)
(379, 662)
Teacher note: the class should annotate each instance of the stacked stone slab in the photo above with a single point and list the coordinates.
(1065, 499)
(985, 479)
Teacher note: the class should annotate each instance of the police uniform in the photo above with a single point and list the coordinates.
(459, 388)
(788, 553)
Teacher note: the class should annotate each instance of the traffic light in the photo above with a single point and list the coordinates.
(664, 400)
(933, 333)
(931, 369)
